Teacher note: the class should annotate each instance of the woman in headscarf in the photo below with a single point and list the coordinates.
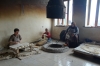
(72, 35)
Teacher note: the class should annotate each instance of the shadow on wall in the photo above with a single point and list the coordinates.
(4, 42)
(15, 11)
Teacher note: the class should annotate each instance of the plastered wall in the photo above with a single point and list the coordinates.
(29, 18)
(79, 17)
(56, 31)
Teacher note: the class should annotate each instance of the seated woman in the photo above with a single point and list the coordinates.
(47, 34)
(72, 35)
(15, 38)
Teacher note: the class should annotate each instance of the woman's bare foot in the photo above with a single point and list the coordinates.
(65, 44)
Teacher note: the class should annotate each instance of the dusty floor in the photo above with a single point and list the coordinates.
(50, 59)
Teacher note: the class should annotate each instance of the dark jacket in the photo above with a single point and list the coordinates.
(74, 30)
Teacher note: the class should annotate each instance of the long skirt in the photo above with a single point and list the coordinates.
(72, 42)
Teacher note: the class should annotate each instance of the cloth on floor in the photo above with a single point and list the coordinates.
(6, 54)
(9, 54)
(22, 45)
(95, 49)
(42, 42)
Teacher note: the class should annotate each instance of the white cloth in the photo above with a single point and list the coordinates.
(67, 36)
(20, 45)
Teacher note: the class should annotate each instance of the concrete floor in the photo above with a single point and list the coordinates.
(50, 59)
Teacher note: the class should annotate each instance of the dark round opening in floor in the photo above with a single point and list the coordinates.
(55, 46)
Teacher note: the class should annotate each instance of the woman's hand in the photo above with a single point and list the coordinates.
(65, 32)
(16, 42)
(73, 34)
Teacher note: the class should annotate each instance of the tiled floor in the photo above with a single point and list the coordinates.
(49, 59)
